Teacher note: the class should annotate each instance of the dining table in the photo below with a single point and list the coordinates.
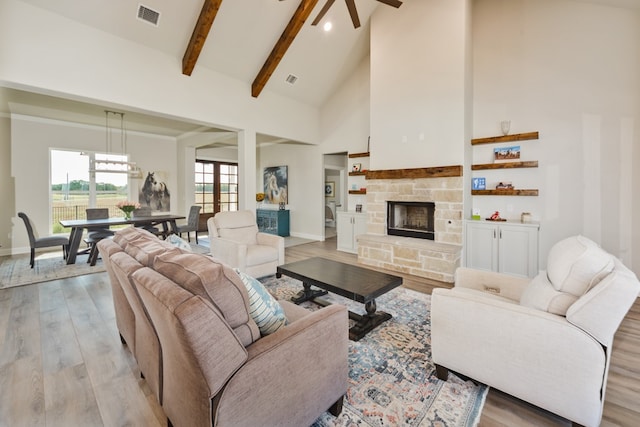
(168, 223)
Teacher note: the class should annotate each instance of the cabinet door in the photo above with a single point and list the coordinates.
(481, 246)
(518, 253)
(344, 229)
(359, 227)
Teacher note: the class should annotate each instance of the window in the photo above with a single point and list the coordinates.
(74, 189)
(216, 186)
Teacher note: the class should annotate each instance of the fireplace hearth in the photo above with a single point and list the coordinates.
(411, 219)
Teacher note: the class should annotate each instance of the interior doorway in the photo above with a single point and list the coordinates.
(335, 193)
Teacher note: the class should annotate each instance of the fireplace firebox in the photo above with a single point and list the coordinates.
(411, 219)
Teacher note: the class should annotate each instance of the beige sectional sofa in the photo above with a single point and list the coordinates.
(186, 319)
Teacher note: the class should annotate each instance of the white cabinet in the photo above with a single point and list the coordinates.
(349, 225)
(510, 248)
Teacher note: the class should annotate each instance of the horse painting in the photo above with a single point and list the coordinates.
(154, 194)
(275, 185)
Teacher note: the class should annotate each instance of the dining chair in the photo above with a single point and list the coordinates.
(192, 223)
(42, 242)
(95, 234)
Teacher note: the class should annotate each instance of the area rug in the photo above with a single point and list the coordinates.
(16, 271)
(392, 379)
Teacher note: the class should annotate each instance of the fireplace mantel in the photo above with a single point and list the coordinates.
(416, 173)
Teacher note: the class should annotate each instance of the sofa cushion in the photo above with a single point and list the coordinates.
(145, 250)
(263, 308)
(128, 234)
(203, 275)
(577, 264)
(540, 294)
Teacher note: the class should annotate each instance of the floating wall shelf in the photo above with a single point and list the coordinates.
(509, 165)
(505, 138)
(504, 192)
(354, 155)
(363, 191)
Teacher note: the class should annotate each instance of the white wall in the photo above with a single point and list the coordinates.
(305, 182)
(571, 71)
(31, 140)
(7, 207)
(418, 65)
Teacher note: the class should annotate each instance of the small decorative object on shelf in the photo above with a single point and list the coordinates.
(127, 207)
(475, 214)
(505, 125)
(357, 167)
(281, 206)
(525, 217)
(495, 217)
(358, 208)
(259, 197)
(478, 184)
(504, 186)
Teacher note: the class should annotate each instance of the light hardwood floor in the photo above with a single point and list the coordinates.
(62, 363)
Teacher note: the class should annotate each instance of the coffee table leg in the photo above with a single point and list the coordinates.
(307, 294)
(367, 322)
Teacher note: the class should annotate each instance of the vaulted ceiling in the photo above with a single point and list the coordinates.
(242, 36)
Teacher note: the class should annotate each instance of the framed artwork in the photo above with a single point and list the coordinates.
(329, 189)
(479, 184)
(154, 193)
(276, 185)
(506, 154)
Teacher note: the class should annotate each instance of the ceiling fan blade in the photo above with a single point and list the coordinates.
(323, 11)
(394, 3)
(351, 5)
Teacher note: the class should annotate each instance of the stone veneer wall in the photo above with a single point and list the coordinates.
(437, 259)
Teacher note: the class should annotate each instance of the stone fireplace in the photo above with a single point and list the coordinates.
(435, 257)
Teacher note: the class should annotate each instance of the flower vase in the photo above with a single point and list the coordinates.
(127, 215)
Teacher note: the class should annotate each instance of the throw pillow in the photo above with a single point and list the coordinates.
(178, 242)
(263, 308)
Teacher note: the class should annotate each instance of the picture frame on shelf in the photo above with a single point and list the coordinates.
(329, 189)
(506, 154)
(479, 183)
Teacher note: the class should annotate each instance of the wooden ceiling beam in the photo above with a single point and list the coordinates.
(199, 36)
(290, 32)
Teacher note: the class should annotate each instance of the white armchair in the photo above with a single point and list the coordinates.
(236, 241)
(546, 340)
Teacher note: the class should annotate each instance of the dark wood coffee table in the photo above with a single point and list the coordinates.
(350, 281)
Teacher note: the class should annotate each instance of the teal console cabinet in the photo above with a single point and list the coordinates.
(273, 221)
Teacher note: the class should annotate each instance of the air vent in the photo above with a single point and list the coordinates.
(291, 79)
(148, 15)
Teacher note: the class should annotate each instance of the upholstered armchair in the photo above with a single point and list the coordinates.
(545, 340)
(236, 241)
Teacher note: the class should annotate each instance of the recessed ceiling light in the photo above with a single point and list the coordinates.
(327, 26)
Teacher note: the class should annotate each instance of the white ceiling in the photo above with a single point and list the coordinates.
(241, 38)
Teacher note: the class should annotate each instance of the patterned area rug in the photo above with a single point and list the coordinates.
(16, 271)
(392, 380)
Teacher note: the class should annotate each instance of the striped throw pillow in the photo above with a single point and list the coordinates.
(263, 308)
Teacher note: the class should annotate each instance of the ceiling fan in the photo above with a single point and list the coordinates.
(351, 6)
